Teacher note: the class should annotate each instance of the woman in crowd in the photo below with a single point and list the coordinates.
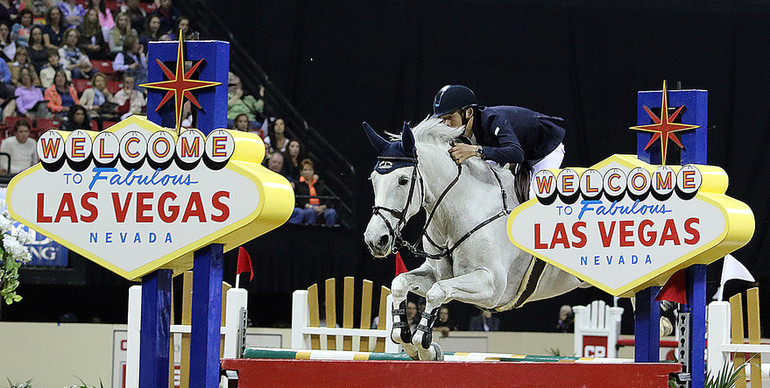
(132, 60)
(77, 118)
(151, 31)
(105, 16)
(73, 59)
(292, 158)
(21, 61)
(27, 97)
(54, 28)
(96, 95)
(120, 32)
(38, 53)
(276, 139)
(20, 31)
(309, 207)
(242, 123)
(183, 26)
(91, 40)
(61, 95)
(7, 45)
(135, 14)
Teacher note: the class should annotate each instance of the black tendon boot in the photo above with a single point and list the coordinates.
(427, 338)
(406, 334)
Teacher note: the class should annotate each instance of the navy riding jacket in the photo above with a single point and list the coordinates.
(512, 134)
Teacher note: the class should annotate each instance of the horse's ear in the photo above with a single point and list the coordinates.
(407, 139)
(377, 141)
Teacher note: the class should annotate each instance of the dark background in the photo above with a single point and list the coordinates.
(343, 62)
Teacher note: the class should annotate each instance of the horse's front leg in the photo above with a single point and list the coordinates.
(419, 281)
(478, 287)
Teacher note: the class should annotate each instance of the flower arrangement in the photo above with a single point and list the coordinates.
(13, 254)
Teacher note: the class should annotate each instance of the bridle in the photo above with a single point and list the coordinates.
(395, 232)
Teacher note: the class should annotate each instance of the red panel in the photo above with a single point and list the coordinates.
(322, 373)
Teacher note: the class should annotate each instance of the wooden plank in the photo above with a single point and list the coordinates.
(314, 320)
(366, 313)
(347, 311)
(736, 336)
(383, 319)
(184, 367)
(752, 315)
(225, 287)
(331, 312)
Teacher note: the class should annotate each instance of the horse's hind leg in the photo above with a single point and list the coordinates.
(419, 280)
(477, 287)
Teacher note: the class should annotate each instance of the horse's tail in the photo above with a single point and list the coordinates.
(521, 176)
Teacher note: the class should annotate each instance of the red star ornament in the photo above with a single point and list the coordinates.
(664, 128)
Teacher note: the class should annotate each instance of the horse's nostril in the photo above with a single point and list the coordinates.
(382, 241)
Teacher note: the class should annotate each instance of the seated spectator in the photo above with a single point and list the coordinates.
(151, 32)
(37, 52)
(276, 139)
(6, 83)
(29, 100)
(129, 99)
(20, 147)
(275, 162)
(73, 59)
(168, 16)
(7, 45)
(96, 95)
(20, 31)
(292, 157)
(309, 208)
(566, 322)
(119, 33)
(91, 39)
(443, 323)
(20, 61)
(183, 27)
(54, 28)
(106, 22)
(39, 7)
(72, 12)
(49, 71)
(238, 103)
(61, 95)
(484, 322)
(132, 61)
(8, 10)
(411, 315)
(77, 118)
(135, 14)
(242, 123)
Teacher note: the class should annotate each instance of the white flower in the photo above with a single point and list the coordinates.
(5, 224)
(17, 251)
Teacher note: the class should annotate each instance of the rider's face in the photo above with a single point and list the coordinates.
(453, 120)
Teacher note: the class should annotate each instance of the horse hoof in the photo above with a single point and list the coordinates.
(437, 349)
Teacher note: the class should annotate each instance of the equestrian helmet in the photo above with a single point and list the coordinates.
(451, 98)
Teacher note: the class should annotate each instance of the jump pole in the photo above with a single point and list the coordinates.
(695, 151)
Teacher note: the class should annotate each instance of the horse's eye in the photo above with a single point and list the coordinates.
(403, 180)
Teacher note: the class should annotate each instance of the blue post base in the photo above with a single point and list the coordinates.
(647, 326)
(155, 336)
(695, 276)
(206, 316)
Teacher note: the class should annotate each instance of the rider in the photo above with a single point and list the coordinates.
(504, 134)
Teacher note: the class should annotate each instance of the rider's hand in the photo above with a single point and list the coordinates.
(461, 152)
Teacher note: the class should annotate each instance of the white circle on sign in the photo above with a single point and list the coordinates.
(614, 182)
(50, 147)
(105, 148)
(638, 182)
(568, 182)
(544, 184)
(160, 147)
(591, 183)
(189, 146)
(78, 146)
(133, 147)
(689, 179)
(663, 181)
(220, 146)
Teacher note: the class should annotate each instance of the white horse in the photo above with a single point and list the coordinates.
(470, 257)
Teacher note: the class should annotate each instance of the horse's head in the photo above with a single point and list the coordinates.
(397, 190)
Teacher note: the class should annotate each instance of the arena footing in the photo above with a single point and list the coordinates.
(386, 373)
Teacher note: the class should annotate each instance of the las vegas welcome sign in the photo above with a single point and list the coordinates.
(624, 225)
(138, 197)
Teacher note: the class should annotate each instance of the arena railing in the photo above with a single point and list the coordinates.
(338, 173)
